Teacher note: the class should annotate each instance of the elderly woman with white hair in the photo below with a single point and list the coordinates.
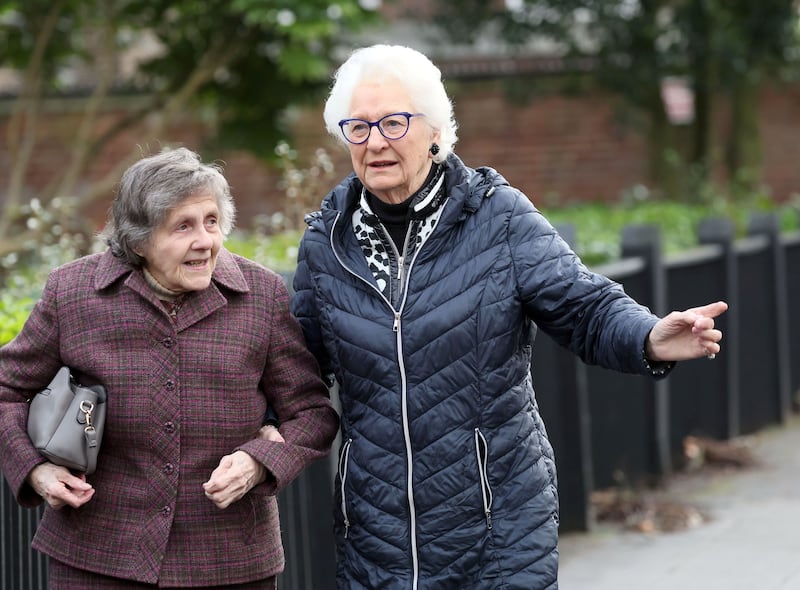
(419, 285)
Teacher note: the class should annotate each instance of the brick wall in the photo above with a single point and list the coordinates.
(554, 148)
(780, 129)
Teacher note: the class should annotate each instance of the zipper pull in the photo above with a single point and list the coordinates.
(489, 519)
(396, 325)
(400, 261)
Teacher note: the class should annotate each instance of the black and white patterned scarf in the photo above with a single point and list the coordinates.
(382, 256)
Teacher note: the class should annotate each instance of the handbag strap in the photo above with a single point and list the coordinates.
(90, 433)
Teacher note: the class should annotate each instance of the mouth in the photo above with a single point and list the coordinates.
(196, 264)
(382, 164)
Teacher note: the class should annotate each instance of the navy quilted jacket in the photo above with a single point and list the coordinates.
(446, 476)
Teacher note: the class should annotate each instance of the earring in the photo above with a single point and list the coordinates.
(434, 148)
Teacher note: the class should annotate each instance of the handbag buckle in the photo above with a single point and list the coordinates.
(87, 407)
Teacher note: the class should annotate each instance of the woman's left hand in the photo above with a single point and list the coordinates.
(237, 474)
(684, 335)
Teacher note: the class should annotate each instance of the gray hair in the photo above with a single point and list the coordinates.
(413, 70)
(151, 188)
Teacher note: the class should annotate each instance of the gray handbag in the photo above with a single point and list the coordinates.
(66, 422)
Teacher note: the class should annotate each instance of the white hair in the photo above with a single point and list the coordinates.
(421, 78)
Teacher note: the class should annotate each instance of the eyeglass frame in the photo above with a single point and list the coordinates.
(377, 123)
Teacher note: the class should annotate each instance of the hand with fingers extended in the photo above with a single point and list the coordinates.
(684, 335)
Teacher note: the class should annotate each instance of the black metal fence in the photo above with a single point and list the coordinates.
(608, 428)
(605, 427)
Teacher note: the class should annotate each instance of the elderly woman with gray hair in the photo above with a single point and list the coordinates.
(419, 285)
(192, 343)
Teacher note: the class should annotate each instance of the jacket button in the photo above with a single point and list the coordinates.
(169, 385)
(166, 511)
(167, 342)
(169, 427)
(169, 468)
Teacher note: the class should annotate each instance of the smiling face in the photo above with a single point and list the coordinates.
(392, 170)
(182, 250)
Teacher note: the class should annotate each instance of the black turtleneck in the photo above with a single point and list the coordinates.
(395, 216)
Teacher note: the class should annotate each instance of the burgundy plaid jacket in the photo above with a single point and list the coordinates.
(181, 395)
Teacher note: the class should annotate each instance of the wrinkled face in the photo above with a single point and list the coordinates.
(392, 170)
(183, 249)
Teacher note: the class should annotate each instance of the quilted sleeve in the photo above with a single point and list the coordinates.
(583, 311)
(304, 308)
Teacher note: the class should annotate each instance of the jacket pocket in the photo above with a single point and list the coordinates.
(344, 457)
(482, 455)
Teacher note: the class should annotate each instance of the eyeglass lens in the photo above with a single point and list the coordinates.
(392, 126)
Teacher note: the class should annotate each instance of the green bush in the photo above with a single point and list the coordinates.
(13, 313)
(278, 251)
(598, 226)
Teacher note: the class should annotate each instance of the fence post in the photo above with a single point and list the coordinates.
(721, 231)
(791, 248)
(768, 224)
(21, 568)
(644, 240)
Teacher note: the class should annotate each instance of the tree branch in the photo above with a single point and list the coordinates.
(220, 54)
(105, 62)
(21, 136)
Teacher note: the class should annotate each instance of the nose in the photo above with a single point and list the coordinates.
(375, 137)
(203, 240)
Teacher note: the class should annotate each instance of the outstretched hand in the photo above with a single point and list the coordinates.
(684, 335)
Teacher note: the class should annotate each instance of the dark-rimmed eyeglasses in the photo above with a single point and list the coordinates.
(392, 126)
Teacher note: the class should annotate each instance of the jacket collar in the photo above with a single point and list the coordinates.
(199, 304)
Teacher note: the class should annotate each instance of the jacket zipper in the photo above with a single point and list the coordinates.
(396, 327)
(344, 458)
(412, 508)
(482, 454)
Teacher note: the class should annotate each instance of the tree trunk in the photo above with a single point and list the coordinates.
(701, 36)
(665, 158)
(743, 152)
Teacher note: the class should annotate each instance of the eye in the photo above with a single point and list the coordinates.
(394, 123)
